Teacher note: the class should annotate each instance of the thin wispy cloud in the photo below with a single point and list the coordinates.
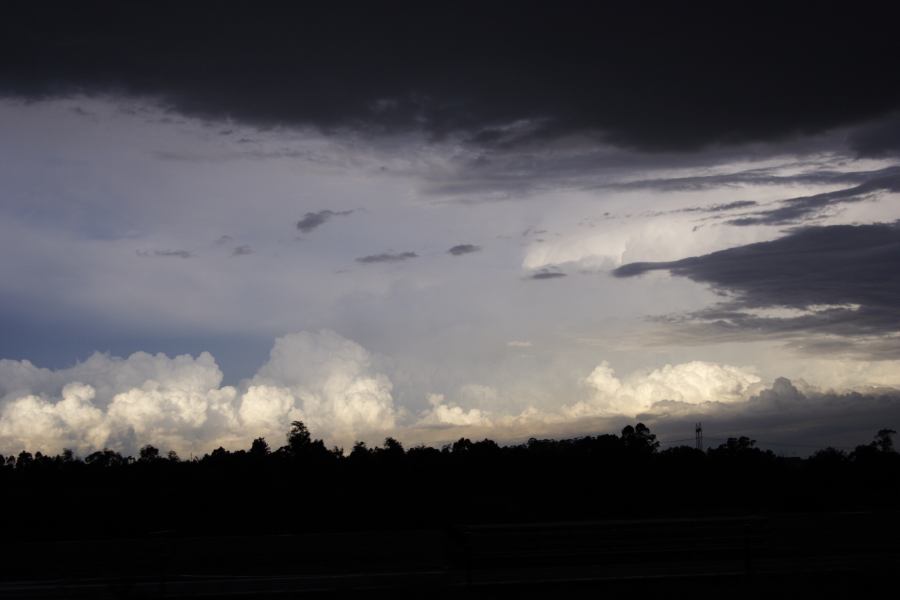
(314, 220)
(166, 253)
(797, 210)
(461, 249)
(519, 344)
(547, 274)
(386, 257)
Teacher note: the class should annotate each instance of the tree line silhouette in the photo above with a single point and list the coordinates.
(303, 485)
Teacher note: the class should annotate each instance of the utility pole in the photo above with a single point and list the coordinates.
(698, 436)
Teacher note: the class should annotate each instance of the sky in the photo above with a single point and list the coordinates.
(437, 220)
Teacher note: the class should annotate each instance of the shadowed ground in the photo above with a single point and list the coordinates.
(843, 553)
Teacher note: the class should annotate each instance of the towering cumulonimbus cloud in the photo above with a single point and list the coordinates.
(325, 380)
(321, 378)
(180, 403)
(332, 384)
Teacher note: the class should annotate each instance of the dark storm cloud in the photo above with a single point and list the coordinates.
(651, 77)
(386, 257)
(312, 220)
(877, 139)
(492, 175)
(846, 278)
(783, 418)
(166, 253)
(864, 185)
(711, 209)
(242, 250)
(814, 174)
(461, 249)
(796, 210)
(547, 274)
(726, 206)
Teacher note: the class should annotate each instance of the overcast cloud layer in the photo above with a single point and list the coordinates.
(393, 219)
(647, 76)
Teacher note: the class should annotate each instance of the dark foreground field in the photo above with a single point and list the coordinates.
(825, 554)
(549, 518)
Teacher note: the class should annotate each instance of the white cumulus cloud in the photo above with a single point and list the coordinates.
(333, 385)
(180, 403)
(443, 413)
(693, 382)
(118, 402)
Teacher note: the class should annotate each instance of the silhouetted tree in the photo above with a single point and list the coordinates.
(392, 447)
(466, 481)
(298, 438)
(639, 438)
(461, 446)
(877, 451)
(105, 458)
(359, 451)
(260, 447)
(148, 453)
(25, 459)
(485, 449)
(827, 458)
(738, 444)
(884, 440)
(219, 454)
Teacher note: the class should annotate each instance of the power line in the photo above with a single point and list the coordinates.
(699, 437)
(668, 442)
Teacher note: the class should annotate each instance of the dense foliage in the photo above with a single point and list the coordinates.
(305, 486)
